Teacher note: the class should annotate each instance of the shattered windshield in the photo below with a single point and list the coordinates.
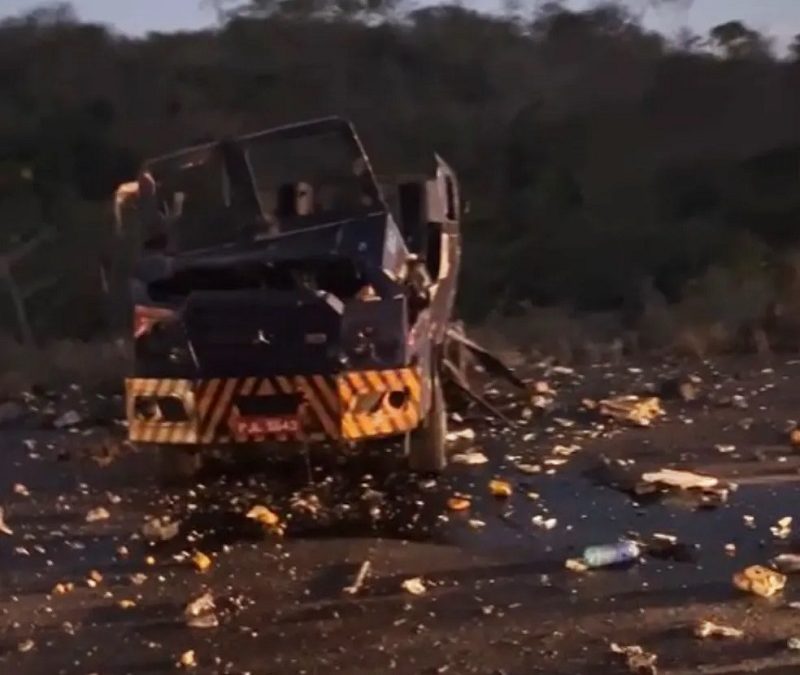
(287, 179)
(300, 179)
(192, 199)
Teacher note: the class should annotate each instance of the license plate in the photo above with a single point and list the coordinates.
(264, 426)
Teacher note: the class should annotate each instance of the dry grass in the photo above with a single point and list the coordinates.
(95, 366)
(721, 312)
(537, 332)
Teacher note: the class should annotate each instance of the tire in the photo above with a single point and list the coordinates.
(426, 446)
(178, 464)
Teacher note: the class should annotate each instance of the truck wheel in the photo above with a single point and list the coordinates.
(426, 446)
(177, 464)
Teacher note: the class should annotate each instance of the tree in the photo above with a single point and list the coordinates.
(56, 14)
(794, 49)
(593, 155)
(736, 41)
(304, 9)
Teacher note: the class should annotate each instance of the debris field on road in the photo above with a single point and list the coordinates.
(653, 521)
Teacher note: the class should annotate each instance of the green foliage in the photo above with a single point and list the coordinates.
(598, 159)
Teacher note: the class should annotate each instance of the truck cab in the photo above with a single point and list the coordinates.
(277, 297)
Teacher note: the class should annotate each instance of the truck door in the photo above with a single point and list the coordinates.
(443, 250)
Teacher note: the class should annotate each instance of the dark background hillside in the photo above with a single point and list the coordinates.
(607, 169)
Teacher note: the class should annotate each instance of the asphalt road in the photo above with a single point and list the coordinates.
(497, 598)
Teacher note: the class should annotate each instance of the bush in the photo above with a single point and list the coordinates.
(95, 366)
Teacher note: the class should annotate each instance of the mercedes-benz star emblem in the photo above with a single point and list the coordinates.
(261, 339)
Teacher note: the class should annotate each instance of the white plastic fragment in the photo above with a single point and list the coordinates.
(684, 480)
(471, 458)
(98, 514)
(414, 586)
(461, 435)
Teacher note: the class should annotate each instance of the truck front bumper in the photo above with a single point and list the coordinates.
(347, 406)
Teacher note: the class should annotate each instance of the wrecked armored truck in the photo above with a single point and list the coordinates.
(278, 298)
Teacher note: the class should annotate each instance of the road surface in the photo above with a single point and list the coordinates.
(498, 598)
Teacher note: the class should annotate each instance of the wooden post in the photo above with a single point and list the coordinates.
(19, 309)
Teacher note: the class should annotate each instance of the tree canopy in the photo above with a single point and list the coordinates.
(598, 157)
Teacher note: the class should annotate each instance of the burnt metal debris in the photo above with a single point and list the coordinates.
(279, 297)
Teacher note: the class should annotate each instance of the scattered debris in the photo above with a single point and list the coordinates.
(749, 521)
(633, 410)
(555, 461)
(565, 450)
(576, 565)
(783, 528)
(126, 604)
(188, 659)
(263, 515)
(358, 582)
(794, 437)
(158, 530)
(544, 523)
(760, 581)
(269, 520)
(201, 612)
(4, 529)
(705, 629)
(476, 524)
(544, 388)
(26, 646)
(21, 490)
(611, 554)
(94, 579)
(667, 538)
(461, 435)
(458, 504)
(201, 561)
(725, 449)
(471, 458)
(529, 469)
(685, 480)
(739, 401)
(68, 419)
(500, 488)
(414, 586)
(63, 588)
(793, 643)
(637, 659)
(98, 514)
(309, 505)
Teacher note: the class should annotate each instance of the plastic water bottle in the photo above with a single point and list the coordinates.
(611, 554)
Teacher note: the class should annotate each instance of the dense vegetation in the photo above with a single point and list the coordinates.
(604, 164)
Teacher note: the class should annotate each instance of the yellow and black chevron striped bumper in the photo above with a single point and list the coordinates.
(348, 406)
